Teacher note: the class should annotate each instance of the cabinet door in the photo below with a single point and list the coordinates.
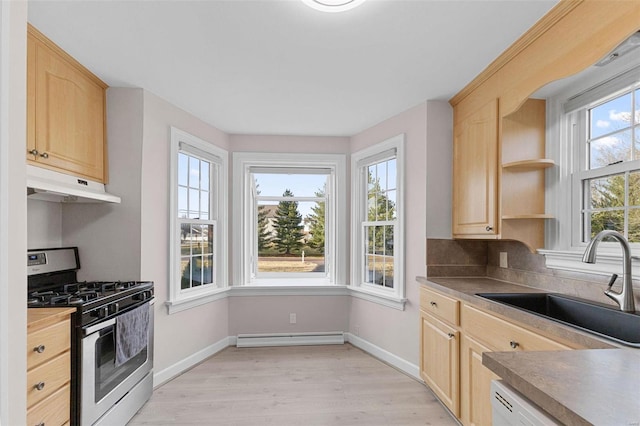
(475, 384)
(439, 360)
(68, 107)
(475, 173)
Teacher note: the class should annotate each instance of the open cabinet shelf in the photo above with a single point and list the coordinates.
(524, 165)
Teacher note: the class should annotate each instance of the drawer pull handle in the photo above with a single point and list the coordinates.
(451, 335)
(39, 386)
(434, 304)
(514, 344)
(489, 228)
(34, 152)
(39, 349)
(44, 155)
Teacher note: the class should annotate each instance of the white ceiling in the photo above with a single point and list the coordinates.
(280, 67)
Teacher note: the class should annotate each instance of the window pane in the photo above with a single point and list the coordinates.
(183, 169)
(372, 207)
(610, 116)
(382, 175)
(610, 149)
(607, 192)
(388, 271)
(636, 149)
(372, 178)
(301, 185)
(370, 269)
(204, 205)
(379, 240)
(370, 239)
(194, 172)
(182, 202)
(194, 204)
(607, 220)
(388, 233)
(185, 239)
(391, 174)
(204, 175)
(207, 269)
(634, 226)
(208, 239)
(391, 205)
(196, 271)
(185, 273)
(634, 189)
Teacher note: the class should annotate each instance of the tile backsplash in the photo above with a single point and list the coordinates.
(460, 258)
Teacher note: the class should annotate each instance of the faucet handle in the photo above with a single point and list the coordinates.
(611, 281)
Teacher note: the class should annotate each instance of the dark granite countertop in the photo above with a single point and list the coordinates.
(598, 385)
(582, 387)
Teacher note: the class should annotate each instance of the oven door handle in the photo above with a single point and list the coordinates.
(93, 329)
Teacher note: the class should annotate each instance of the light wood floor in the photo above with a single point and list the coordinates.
(298, 385)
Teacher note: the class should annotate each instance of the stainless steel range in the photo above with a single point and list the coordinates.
(112, 336)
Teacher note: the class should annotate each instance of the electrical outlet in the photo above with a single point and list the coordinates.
(292, 318)
(503, 259)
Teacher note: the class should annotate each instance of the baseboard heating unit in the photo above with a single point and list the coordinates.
(290, 339)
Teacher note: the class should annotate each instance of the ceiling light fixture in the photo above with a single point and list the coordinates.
(333, 5)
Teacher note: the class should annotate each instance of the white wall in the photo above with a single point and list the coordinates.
(44, 224)
(13, 212)
(393, 330)
(182, 334)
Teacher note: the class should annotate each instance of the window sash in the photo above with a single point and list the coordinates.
(192, 256)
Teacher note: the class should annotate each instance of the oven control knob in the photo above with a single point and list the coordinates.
(103, 312)
(114, 308)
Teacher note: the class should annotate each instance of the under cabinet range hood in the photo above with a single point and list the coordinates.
(47, 185)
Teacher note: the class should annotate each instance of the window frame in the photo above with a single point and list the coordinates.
(360, 160)
(564, 246)
(245, 230)
(181, 299)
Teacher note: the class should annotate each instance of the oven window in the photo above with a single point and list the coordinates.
(108, 376)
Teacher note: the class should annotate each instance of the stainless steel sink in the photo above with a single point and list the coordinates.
(611, 323)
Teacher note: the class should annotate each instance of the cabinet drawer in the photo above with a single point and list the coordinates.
(53, 411)
(51, 341)
(440, 306)
(500, 335)
(51, 376)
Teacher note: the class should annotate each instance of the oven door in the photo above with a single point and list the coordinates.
(103, 384)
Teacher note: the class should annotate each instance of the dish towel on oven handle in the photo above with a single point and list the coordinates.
(132, 333)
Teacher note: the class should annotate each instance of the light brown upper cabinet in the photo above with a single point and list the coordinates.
(65, 112)
(499, 132)
(475, 173)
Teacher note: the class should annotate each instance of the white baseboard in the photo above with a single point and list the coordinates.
(180, 367)
(290, 339)
(384, 355)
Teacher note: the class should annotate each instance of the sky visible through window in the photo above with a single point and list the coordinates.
(301, 185)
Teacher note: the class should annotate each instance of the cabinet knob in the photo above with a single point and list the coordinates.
(34, 152)
(434, 304)
(514, 344)
(39, 386)
(39, 349)
(451, 335)
(489, 228)
(44, 155)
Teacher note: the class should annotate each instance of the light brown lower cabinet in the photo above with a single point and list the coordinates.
(451, 352)
(475, 384)
(439, 365)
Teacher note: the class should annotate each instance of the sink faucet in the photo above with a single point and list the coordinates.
(624, 299)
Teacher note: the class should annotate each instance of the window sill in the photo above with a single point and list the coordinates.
(379, 298)
(288, 290)
(607, 262)
(179, 305)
